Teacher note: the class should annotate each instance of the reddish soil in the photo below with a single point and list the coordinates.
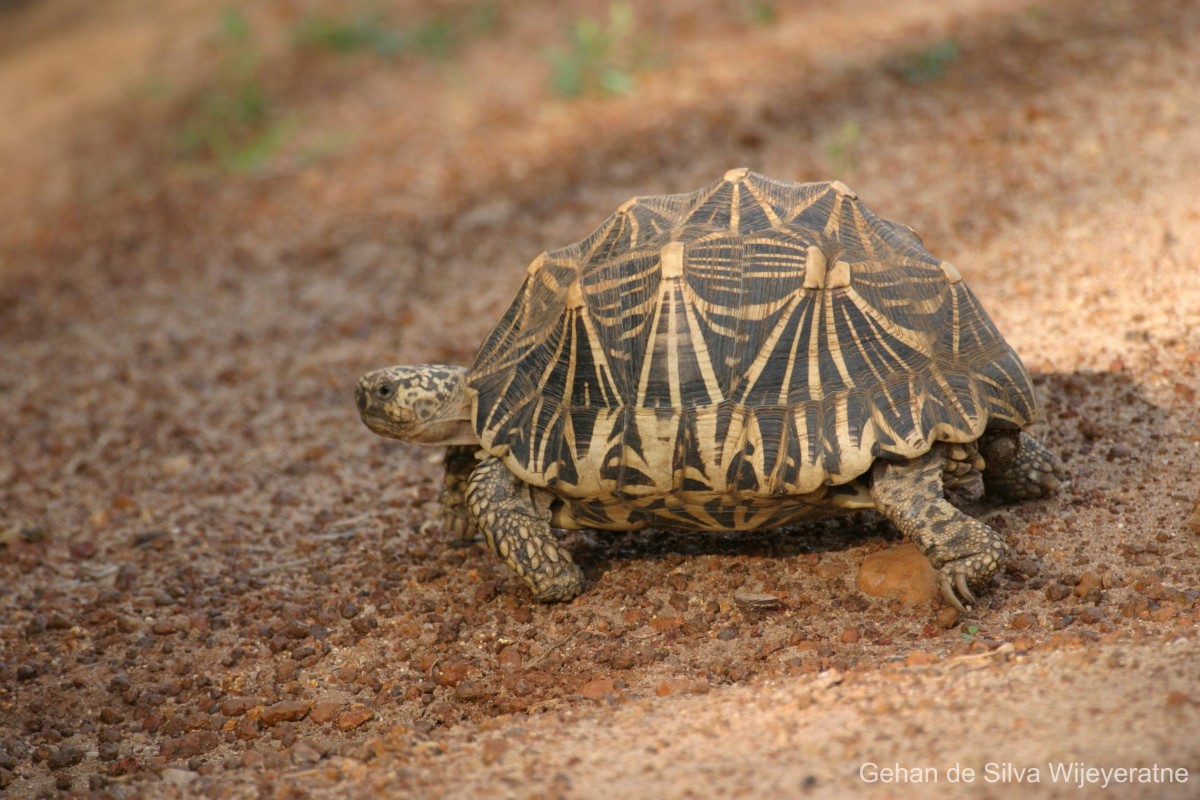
(217, 582)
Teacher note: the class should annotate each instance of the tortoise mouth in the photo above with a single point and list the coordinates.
(381, 422)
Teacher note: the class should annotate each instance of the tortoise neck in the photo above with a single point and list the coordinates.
(451, 424)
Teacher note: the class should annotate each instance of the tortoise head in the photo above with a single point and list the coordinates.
(424, 404)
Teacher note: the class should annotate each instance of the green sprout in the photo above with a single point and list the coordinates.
(600, 57)
(929, 64)
(233, 121)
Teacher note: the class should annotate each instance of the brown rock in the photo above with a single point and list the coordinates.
(324, 712)
(303, 753)
(454, 672)
(493, 749)
(83, 550)
(350, 720)
(510, 657)
(598, 688)
(920, 658)
(947, 617)
(189, 745)
(236, 706)
(1024, 621)
(1089, 585)
(286, 711)
(676, 686)
(900, 573)
(247, 728)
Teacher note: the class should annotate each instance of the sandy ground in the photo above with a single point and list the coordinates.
(216, 582)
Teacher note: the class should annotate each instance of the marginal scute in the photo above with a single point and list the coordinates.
(842, 189)
(535, 265)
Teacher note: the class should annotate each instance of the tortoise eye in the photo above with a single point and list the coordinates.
(385, 391)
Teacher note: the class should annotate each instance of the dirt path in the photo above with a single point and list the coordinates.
(216, 582)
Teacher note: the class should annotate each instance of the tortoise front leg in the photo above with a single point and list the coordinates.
(518, 530)
(456, 517)
(962, 549)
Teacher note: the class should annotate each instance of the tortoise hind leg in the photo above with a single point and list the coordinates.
(962, 549)
(1018, 466)
(517, 528)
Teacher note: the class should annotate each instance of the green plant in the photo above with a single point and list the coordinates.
(233, 121)
(929, 64)
(969, 634)
(761, 12)
(600, 58)
(842, 147)
(369, 31)
(366, 31)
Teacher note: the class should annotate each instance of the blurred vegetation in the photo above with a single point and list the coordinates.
(600, 57)
(343, 35)
(842, 148)
(370, 31)
(233, 121)
(761, 12)
(928, 64)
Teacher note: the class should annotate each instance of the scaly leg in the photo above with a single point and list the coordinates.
(962, 549)
(456, 517)
(1018, 467)
(517, 528)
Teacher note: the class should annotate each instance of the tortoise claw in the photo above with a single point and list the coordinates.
(953, 585)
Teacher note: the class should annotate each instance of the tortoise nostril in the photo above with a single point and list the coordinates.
(360, 398)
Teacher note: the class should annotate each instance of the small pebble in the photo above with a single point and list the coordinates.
(286, 711)
(303, 753)
(920, 658)
(752, 601)
(324, 712)
(82, 551)
(598, 688)
(65, 756)
(1089, 585)
(352, 719)
(947, 617)
(1024, 621)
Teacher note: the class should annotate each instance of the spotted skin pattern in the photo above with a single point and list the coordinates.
(1019, 466)
(515, 520)
(737, 358)
(457, 519)
(962, 549)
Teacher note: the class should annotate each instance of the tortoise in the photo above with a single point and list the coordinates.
(737, 358)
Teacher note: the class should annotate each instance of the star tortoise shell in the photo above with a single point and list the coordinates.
(752, 339)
